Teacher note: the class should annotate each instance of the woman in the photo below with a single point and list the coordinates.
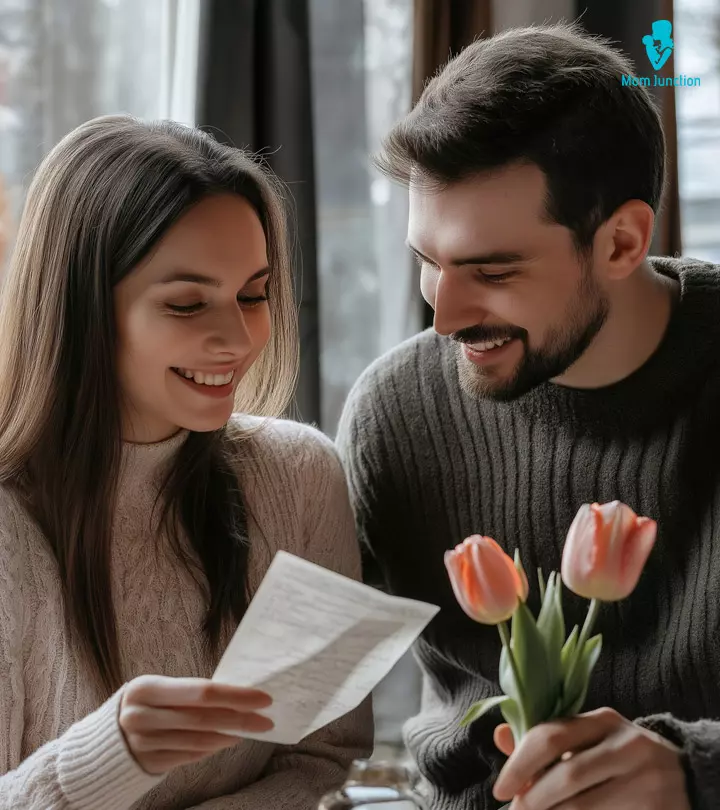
(149, 296)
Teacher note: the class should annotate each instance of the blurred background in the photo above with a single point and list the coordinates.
(313, 85)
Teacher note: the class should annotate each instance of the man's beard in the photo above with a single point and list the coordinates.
(563, 347)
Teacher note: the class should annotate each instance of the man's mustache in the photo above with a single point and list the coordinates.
(478, 334)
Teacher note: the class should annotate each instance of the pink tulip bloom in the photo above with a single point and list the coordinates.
(487, 585)
(605, 551)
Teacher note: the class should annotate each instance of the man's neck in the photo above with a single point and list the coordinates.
(634, 329)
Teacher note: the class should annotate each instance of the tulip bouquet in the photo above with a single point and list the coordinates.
(544, 674)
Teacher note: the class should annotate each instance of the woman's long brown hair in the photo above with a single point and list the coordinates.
(97, 206)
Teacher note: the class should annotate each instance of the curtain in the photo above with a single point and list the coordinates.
(626, 24)
(254, 91)
(442, 29)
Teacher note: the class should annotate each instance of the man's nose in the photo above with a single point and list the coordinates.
(457, 304)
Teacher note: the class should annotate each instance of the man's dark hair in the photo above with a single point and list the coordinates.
(548, 95)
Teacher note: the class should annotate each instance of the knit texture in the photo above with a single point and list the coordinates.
(429, 465)
(61, 746)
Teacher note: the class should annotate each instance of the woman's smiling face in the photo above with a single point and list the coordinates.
(191, 320)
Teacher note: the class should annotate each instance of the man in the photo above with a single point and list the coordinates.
(564, 367)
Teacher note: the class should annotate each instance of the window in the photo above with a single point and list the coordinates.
(697, 43)
(63, 63)
(361, 65)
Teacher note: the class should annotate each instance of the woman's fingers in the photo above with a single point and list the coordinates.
(168, 722)
(157, 690)
(146, 719)
(188, 741)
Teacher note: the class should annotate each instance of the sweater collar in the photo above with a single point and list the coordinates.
(143, 463)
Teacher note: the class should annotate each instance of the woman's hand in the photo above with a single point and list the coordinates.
(595, 761)
(174, 721)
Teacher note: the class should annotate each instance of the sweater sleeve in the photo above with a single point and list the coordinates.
(700, 743)
(298, 775)
(89, 767)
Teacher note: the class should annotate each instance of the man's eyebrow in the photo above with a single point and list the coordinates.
(494, 257)
(200, 278)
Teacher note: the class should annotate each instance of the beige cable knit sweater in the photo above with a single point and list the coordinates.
(60, 746)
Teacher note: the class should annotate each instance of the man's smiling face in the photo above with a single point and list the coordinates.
(504, 281)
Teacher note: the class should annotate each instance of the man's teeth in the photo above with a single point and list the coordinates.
(206, 379)
(486, 345)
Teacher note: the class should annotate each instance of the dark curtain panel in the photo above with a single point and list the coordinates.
(626, 23)
(254, 91)
(442, 28)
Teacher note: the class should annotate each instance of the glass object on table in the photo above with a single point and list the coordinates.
(375, 786)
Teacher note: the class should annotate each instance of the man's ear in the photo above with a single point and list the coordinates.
(623, 242)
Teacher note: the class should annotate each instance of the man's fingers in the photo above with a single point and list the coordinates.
(546, 743)
(504, 739)
(575, 774)
(156, 690)
(630, 792)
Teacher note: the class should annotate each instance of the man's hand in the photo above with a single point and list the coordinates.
(596, 761)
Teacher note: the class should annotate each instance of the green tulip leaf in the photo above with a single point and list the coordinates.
(480, 708)
(568, 651)
(558, 710)
(539, 687)
(547, 603)
(541, 583)
(513, 717)
(551, 625)
(506, 677)
(576, 691)
(551, 622)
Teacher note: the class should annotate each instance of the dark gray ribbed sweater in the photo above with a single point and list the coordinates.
(428, 466)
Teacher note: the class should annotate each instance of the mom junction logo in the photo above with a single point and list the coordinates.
(659, 46)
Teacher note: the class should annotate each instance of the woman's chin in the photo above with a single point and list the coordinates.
(207, 422)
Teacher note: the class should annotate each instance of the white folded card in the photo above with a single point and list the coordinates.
(317, 643)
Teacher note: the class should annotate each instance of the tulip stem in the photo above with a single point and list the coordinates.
(505, 637)
(590, 620)
(587, 627)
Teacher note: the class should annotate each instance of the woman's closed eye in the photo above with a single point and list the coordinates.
(245, 300)
(185, 309)
(253, 300)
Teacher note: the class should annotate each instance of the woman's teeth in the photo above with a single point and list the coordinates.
(487, 345)
(202, 378)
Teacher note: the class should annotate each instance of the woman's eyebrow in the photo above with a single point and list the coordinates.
(200, 278)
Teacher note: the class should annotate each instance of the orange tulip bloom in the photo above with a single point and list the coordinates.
(487, 585)
(605, 551)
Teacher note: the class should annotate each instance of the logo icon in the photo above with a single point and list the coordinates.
(659, 45)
